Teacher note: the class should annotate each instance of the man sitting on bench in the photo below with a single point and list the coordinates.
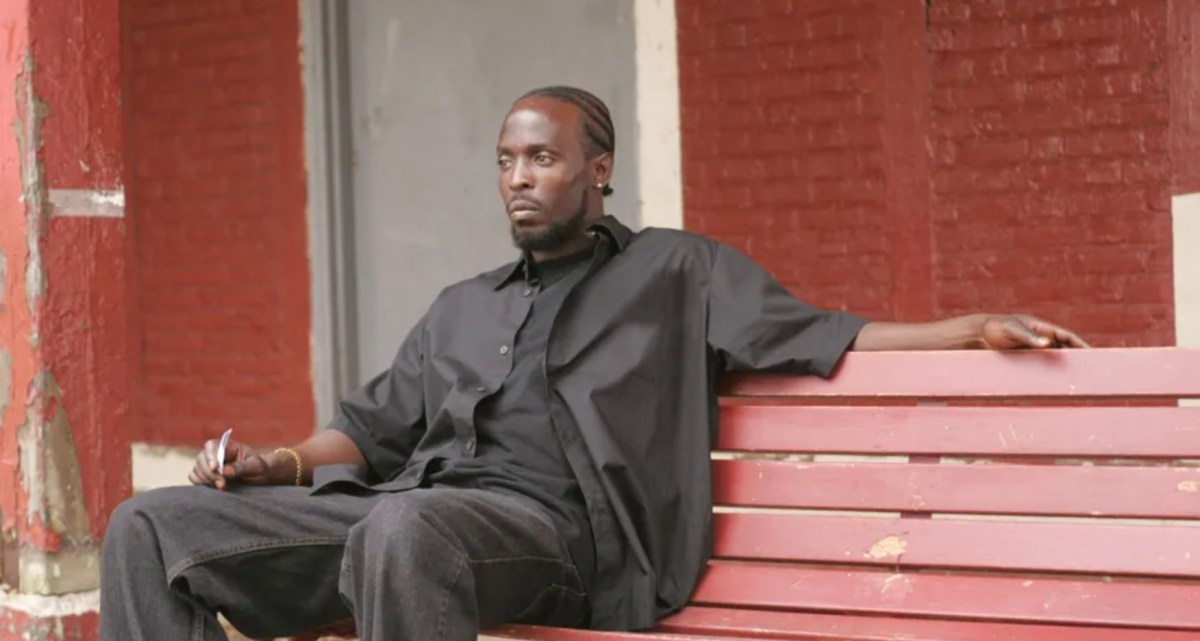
(537, 452)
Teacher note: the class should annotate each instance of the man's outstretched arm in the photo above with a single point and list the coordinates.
(977, 331)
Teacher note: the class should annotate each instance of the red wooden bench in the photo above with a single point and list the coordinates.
(851, 510)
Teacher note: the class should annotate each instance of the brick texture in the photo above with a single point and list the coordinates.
(215, 128)
(782, 146)
(1045, 154)
(1050, 169)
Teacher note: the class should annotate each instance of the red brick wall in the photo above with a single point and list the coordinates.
(1050, 168)
(1042, 164)
(215, 130)
(782, 146)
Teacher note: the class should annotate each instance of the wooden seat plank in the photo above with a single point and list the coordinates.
(539, 633)
(770, 624)
(1157, 550)
(1115, 491)
(1130, 373)
(1084, 432)
(1126, 603)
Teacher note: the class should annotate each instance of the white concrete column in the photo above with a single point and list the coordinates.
(659, 172)
(1185, 213)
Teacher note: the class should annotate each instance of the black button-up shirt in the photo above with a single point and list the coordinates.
(631, 362)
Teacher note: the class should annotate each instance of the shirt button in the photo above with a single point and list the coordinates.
(504, 349)
(528, 292)
(481, 389)
(469, 446)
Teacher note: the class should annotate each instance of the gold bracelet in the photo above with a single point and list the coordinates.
(295, 457)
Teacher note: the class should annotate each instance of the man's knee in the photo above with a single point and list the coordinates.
(135, 517)
(411, 523)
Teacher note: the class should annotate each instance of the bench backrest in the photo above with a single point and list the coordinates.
(1020, 494)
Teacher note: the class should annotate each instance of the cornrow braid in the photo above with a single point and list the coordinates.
(597, 122)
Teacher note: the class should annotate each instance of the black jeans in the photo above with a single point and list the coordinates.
(421, 565)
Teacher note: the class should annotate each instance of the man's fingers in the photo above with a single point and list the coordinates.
(253, 466)
(210, 456)
(1058, 336)
(201, 474)
(1069, 338)
(1021, 331)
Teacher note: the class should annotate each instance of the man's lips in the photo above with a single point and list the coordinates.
(522, 210)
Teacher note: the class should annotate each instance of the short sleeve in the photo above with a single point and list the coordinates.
(755, 324)
(386, 417)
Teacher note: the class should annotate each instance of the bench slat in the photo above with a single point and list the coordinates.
(539, 633)
(1065, 490)
(802, 625)
(1079, 374)
(1125, 432)
(994, 598)
(1157, 550)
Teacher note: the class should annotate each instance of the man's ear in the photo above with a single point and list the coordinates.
(602, 168)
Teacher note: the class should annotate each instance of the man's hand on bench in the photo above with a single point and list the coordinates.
(977, 331)
(1020, 331)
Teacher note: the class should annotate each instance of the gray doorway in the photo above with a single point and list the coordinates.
(428, 84)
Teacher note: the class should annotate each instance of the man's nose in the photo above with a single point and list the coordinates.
(521, 177)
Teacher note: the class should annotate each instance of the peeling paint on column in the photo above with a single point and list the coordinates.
(28, 129)
(50, 465)
(3, 278)
(49, 469)
(5, 380)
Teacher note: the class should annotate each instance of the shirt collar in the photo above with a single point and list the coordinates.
(607, 228)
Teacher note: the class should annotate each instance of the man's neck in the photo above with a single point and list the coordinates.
(579, 244)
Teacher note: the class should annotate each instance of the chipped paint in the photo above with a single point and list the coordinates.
(86, 203)
(28, 129)
(63, 572)
(6, 371)
(889, 547)
(1189, 486)
(3, 278)
(49, 463)
(896, 585)
(49, 468)
(53, 606)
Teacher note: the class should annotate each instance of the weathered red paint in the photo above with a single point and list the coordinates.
(216, 155)
(996, 598)
(1183, 23)
(76, 53)
(64, 376)
(18, 625)
(83, 324)
(18, 359)
(1152, 550)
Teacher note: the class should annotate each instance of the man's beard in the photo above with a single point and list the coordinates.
(554, 235)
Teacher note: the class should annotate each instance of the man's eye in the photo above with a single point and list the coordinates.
(543, 159)
(504, 163)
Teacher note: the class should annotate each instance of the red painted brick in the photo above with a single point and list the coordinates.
(216, 141)
(1047, 143)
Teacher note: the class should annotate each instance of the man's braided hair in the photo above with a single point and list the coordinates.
(597, 123)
